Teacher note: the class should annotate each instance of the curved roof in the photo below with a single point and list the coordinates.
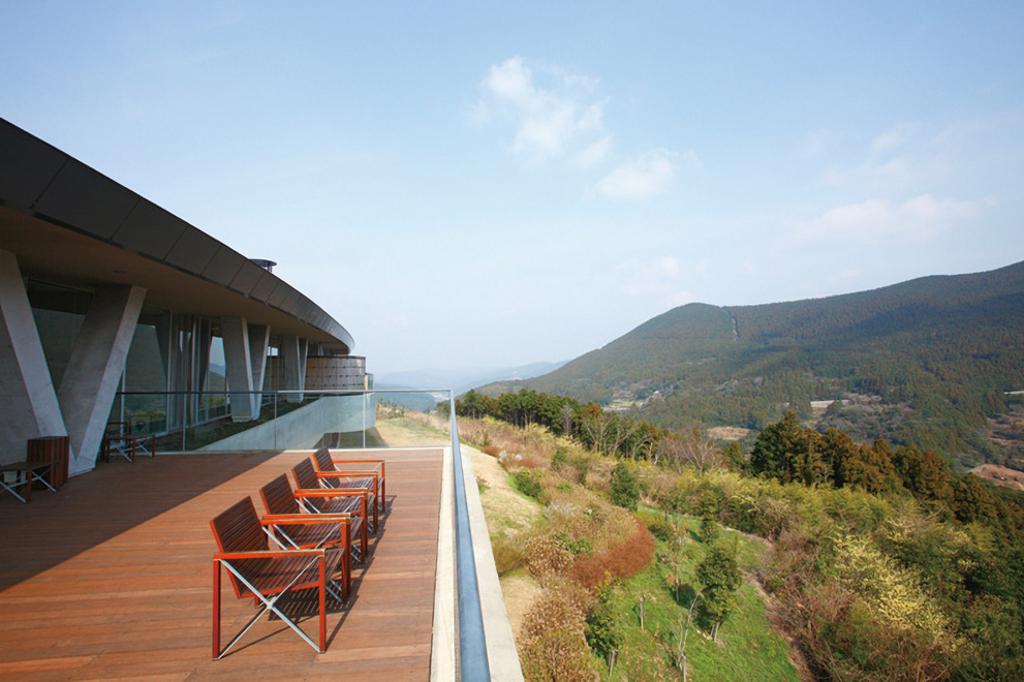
(65, 219)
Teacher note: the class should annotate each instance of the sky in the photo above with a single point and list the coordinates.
(487, 186)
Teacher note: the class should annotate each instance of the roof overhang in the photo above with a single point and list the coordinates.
(66, 222)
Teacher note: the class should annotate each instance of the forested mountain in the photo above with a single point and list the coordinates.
(928, 362)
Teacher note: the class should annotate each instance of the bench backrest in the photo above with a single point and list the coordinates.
(278, 498)
(323, 460)
(305, 476)
(237, 529)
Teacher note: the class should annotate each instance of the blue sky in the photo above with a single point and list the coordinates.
(483, 186)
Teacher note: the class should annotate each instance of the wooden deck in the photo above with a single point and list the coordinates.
(111, 578)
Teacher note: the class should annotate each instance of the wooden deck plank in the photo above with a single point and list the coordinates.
(110, 579)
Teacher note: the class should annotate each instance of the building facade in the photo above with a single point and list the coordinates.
(111, 308)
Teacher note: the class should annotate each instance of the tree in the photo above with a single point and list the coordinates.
(788, 452)
(624, 489)
(708, 527)
(973, 499)
(734, 458)
(719, 577)
(924, 473)
(593, 424)
(568, 414)
(693, 448)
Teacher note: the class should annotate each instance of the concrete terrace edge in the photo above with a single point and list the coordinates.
(501, 646)
(442, 650)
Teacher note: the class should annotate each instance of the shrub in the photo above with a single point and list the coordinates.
(603, 634)
(575, 546)
(621, 561)
(552, 644)
(560, 458)
(527, 481)
(659, 526)
(491, 450)
(508, 553)
(582, 466)
(546, 556)
(624, 489)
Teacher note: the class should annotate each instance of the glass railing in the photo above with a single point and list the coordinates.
(283, 420)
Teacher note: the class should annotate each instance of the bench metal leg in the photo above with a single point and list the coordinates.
(11, 489)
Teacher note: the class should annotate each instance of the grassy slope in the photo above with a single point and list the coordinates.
(748, 648)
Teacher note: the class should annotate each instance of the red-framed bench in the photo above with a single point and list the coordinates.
(268, 575)
(370, 477)
(282, 503)
(320, 498)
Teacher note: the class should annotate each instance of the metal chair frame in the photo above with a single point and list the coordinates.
(269, 602)
(244, 530)
(25, 480)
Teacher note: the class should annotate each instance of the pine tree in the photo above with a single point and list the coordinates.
(624, 488)
(719, 577)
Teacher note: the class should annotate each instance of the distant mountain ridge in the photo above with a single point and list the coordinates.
(926, 361)
(462, 380)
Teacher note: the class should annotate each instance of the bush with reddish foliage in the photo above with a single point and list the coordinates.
(491, 450)
(621, 561)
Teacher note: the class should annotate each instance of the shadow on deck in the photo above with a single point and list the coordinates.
(111, 577)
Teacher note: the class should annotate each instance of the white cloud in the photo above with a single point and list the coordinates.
(902, 157)
(898, 171)
(556, 113)
(920, 218)
(642, 177)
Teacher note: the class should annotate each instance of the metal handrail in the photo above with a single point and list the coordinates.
(473, 663)
(285, 391)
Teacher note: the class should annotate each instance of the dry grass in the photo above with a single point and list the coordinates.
(552, 644)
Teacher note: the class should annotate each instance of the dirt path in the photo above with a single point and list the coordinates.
(796, 655)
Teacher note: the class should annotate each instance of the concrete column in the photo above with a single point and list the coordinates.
(303, 356)
(238, 358)
(28, 402)
(95, 367)
(293, 355)
(259, 339)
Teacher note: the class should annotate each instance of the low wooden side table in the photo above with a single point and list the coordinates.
(51, 449)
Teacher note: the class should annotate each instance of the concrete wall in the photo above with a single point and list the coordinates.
(302, 428)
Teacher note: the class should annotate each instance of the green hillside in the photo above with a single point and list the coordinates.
(926, 361)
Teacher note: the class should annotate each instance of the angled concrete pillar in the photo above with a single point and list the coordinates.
(94, 370)
(293, 354)
(238, 358)
(28, 402)
(259, 339)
